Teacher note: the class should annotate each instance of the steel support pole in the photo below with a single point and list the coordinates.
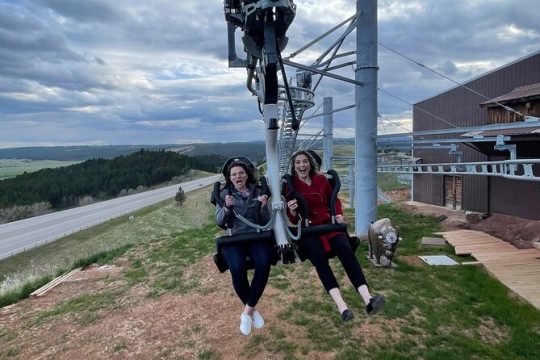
(351, 183)
(366, 116)
(328, 133)
(270, 112)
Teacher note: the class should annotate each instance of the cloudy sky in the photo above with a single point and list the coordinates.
(99, 72)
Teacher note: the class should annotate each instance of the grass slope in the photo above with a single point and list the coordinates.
(103, 242)
(432, 312)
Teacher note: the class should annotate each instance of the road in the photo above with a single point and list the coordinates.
(25, 234)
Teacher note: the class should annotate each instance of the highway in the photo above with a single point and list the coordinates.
(18, 236)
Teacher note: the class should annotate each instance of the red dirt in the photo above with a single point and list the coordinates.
(520, 232)
(171, 326)
(399, 195)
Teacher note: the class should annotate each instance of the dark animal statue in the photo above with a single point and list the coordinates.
(383, 240)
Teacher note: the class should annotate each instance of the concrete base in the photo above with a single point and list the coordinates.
(432, 241)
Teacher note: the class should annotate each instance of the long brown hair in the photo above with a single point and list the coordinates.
(313, 167)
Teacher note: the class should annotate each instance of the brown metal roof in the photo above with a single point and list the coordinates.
(520, 93)
(533, 130)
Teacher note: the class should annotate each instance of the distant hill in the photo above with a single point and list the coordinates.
(253, 150)
(73, 153)
(101, 178)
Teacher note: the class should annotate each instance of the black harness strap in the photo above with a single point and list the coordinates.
(216, 199)
(263, 236)
(317, 230)
(291, 193)
(335, 183)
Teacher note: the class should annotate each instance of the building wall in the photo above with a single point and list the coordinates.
(459, 107)
(523, 203)
(476, 200)
(429, 189)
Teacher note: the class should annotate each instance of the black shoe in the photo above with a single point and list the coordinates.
(375, 304)
(347, 315)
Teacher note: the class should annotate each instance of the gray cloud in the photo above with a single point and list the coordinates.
(84, 11)
(134, 71)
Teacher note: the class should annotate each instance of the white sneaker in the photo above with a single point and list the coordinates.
(245, 324)
(258, 321)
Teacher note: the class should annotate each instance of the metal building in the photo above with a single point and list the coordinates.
(508, 91)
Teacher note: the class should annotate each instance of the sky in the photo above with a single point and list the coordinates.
(101, 72)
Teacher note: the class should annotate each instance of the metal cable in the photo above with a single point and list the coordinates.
(507, 108)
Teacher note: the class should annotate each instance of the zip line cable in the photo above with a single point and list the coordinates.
(417, 107)
(395, 123)
(335, 47)
(507, 108)
(382, 124)
(340, 41)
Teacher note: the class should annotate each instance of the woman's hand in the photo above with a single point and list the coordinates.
(229, 200)
(263, 199)
(340, 219)
(293, 207)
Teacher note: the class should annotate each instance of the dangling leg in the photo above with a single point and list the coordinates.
(236, 258)
(317, 256)
(261, 253)
(348, 259)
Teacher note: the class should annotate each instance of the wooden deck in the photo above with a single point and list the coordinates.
(517, 269)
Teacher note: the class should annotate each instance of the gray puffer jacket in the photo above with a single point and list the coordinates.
(245, 206)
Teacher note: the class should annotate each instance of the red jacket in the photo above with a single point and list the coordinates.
(317, 196)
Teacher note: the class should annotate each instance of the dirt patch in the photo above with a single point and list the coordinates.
(94, 272)
(520, 232)
(201, 323)
(411, 260)
(399, 195)
(450, 219)
(493, 333)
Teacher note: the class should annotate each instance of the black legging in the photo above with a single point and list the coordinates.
(314, 250)
(261, 253)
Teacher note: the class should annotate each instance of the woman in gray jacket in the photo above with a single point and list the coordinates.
(247, 200)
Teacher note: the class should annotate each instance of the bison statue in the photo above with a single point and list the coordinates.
(383, 240)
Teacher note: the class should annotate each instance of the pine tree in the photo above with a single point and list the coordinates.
(180, 197)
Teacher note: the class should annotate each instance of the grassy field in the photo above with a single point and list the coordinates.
(389, 181)
(432, 313)
(12, 167)
(385, 181)
(155, 222)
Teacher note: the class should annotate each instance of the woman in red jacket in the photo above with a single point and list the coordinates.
(316, 190)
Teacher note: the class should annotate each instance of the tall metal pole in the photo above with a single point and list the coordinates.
(351, 183)
(366, 116)
(328, 133)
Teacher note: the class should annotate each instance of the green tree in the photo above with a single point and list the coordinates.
(180, 196)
